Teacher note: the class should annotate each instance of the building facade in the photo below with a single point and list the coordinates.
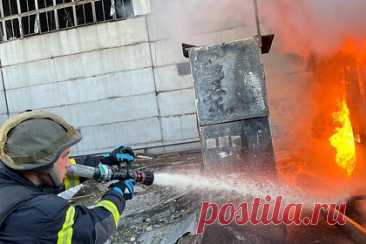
(107, 67)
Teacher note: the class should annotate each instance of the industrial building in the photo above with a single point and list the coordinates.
(109, 69)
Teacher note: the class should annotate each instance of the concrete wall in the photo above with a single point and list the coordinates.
(118, 82)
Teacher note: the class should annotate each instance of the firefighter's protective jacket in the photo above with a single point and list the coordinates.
(30, 215)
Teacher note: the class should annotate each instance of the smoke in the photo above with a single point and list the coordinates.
(313, 26)
(301, 27)
(177, 19)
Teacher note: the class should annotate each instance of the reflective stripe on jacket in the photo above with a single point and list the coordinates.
(47, 218)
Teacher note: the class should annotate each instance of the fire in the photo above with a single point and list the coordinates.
(343, 141)
(339, 95)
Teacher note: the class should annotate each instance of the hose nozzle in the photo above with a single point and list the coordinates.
(104, 173)
(144, 177)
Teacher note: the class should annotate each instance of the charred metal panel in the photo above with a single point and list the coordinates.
(229, 82)
(245, 144)
(232, 107)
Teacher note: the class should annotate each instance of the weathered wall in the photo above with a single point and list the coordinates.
(99, 78)
(123, 82)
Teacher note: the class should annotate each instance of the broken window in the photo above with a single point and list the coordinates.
(122, 8)
(21, 18)
(65, 17)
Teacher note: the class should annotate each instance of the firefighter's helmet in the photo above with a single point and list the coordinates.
(34, 140)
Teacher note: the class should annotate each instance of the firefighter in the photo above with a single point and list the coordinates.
(34, 154)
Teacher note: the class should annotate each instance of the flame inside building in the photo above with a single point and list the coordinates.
(343, 140)
(341, 77)
(349, 75)
(328, 139)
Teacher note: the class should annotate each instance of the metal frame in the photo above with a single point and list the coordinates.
(47, 9)
(52, 17)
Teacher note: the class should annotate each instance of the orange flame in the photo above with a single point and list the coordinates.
(343, 141)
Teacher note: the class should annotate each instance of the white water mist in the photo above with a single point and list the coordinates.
(237, 186)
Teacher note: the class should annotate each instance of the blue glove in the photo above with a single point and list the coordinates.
(119, 155)
(125, 188)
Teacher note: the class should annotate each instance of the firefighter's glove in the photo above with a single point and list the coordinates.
(124, 188)
(119, 155)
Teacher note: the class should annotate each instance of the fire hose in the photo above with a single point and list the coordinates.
(105, 173)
